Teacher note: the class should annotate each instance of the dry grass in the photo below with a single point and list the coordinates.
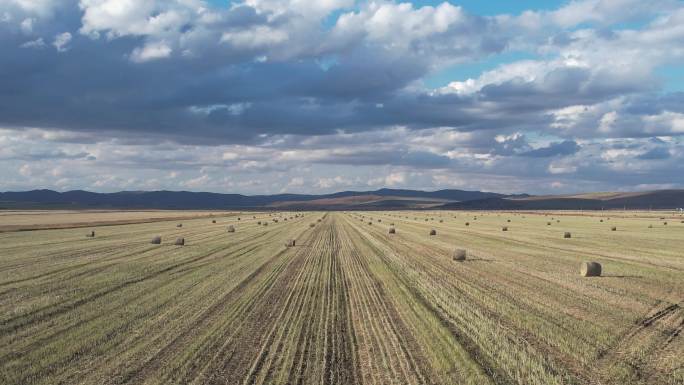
(349, 305)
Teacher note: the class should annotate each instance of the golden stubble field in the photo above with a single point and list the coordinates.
(349, 304)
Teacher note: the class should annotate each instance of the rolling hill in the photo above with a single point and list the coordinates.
(383, 199)
(185, 200)
(658, 200)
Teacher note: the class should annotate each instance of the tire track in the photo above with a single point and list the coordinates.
(652, 334)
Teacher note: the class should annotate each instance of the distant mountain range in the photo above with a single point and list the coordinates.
(184, 200)
(383, 199)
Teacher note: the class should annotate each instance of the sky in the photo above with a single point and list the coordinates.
(272, 96)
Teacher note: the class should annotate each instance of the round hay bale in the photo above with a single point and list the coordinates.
(231, 229)
(459, 255)
(505, 228)
(467, 223)
(90, 234)
(156, 240)
(180, 242)
(590, 269)
(548, 223)
(290, 243)
(392, 230)
(613, 228)
(567, 235)
(179, 225)
(433, 232)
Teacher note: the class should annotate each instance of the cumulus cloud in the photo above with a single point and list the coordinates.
(38, 43)
(62, 41)
(151, 51)
(270, 95)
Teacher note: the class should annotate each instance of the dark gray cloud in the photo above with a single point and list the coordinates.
(655, 153)
(567, 147)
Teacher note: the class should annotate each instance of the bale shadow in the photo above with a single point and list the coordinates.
(620, 276)
(476, 259)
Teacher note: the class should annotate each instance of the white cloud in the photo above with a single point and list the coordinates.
(258, 37)
(561, 168)
(61, 41)
(38, 43)
(131, 17)
(395, 179)
(400, 24)
(608, 11)
(334, 182)
(607, 122)
(42, 8)
(151, 51)
(667, 122)
(305, 98)
(296, 182)
(27, 25)
(25, 170)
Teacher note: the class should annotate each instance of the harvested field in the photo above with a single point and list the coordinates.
(350, 304)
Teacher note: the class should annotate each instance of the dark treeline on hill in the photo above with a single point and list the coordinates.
(383, 199)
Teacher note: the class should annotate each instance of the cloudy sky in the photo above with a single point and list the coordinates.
(268, 96)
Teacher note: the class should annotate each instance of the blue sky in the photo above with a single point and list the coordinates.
(269, 96)
(472, 70)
